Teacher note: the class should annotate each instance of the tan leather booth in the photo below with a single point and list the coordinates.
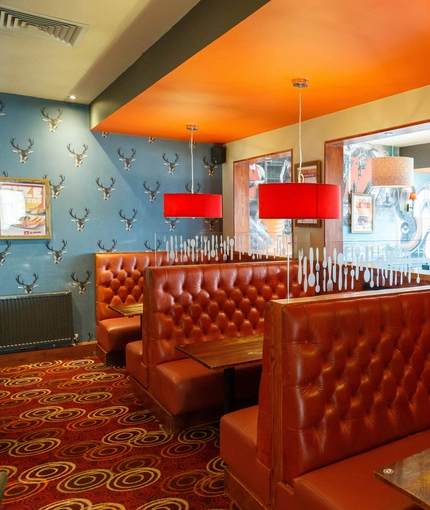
(345, 389)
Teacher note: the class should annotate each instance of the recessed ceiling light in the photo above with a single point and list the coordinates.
(72, 96)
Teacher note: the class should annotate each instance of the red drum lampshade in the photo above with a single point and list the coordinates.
(192, 205)
(299, 201)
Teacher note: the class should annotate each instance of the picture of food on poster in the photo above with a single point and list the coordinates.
(24, 208)
(390, 215)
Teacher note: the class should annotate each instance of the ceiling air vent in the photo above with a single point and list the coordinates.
(35, 26)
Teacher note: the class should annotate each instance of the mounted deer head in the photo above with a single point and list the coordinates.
(107, 250)
(211, 224)
(210, 168)
(80, 222)
(52, 123)
(171, 165)
(152, 192)
(128, 221)
(23, 153)
(188, 188)
(28, 287)
(5, 252)
(172, 223)
(56, 188)
(106, 191)
(149, 248)
(127, 161)
(79, 158)
(57, 254)
(82, 285)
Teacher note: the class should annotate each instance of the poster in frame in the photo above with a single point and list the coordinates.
(362, 213)
(25, 208)
(311, 172)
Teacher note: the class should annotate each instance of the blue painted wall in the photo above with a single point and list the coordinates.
(22, 120)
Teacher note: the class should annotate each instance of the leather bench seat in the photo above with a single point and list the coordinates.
(344, 391)
(351, 484)
(114, 334)
(346, 484)
(135, 365)
(184, 386)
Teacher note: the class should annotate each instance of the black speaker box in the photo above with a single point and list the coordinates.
(218, 154)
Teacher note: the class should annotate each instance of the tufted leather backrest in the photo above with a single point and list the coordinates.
(119, 276)
(188, 304)
(355, 374)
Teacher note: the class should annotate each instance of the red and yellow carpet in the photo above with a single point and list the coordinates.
(73, 437)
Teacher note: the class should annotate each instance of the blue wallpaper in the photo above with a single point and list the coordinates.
(81, 196)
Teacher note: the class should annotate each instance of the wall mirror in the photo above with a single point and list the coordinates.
(248, 174)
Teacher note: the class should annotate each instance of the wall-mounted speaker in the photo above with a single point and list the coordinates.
(218, 154)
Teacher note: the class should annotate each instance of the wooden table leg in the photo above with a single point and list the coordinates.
(229, 389)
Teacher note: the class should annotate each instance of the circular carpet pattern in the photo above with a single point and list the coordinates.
(74, 437)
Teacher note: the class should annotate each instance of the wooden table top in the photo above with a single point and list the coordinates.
(225, 353)
(410, 476)
(130, 310)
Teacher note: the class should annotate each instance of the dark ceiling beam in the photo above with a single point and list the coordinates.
(203, 24)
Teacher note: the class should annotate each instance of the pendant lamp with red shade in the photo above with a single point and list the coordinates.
(299, 200)
(193, 204)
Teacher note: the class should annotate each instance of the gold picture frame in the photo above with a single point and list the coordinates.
(311, 172)
(362, 213)
(25, 211)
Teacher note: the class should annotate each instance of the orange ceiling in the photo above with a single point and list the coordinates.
(240, 85)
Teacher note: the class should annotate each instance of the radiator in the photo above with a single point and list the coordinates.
(35, 321)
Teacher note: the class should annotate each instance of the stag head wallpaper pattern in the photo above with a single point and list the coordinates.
(106, 195)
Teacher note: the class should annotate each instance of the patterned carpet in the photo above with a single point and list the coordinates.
(73, 437)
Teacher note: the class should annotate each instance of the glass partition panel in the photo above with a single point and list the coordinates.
(375, 264)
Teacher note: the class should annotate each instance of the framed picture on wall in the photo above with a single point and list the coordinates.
(24, 208)
(362, 213)
(311, 172)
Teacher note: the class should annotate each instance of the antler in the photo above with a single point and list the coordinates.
(148, 246)
(17, 278)
(133, 153)
(52, 248)
(36, 277)
(149, 189)
(31, 142)
(85, 146)
(188, 187)
(121, 214)
(12, 141)
(69, 149)
(8, 245)
(60, 112)
(73, 277)
(72, 215)
(171, 162)
(114, 243)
